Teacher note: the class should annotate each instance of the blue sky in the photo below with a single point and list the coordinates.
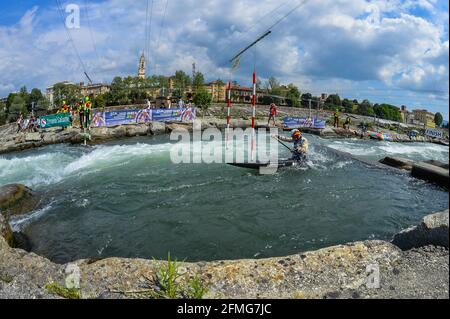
(394, 51)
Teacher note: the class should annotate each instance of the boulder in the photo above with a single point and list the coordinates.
(398, 162)
(33, 137)
(433, 230)
(157, 128)
(17, 199)
(137, 130)
(179, 127)
(431, 173)
(438, 164)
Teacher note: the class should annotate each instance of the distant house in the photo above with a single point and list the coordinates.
(425, 117)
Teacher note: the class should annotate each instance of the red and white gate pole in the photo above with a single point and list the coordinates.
(254, 115)
(227, 133)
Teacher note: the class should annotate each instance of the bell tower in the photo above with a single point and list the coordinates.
(141, 72)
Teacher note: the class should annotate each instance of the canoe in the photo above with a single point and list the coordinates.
(258, 165)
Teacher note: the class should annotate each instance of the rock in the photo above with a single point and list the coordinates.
(5, 230)
(33, 137)
(137, 130)
(179, 127)
(157, 128)
(398, 162)
(17, 199)
(433, 230)
(431, 173)
(21, 241)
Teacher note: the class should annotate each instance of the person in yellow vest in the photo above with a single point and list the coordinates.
(80, 110)
(336, 118)
(87, 113)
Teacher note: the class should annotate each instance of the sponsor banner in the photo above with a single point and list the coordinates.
(61, 119)
(434, 133)
(301, 122)
(122, 117)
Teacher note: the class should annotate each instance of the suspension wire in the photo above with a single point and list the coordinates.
(149, 34)
(69, 35)
(91, 33)
(146, 29)
(160, 34)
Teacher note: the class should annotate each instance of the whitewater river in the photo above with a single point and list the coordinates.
(127, 199)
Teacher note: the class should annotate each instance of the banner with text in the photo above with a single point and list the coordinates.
(434, 133)
(121, 117)
(61, 119)
(301, 122)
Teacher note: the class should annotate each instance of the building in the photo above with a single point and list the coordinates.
(141, 71)
(94, 90)
(218, 91)
(425, 118)
(50, 93)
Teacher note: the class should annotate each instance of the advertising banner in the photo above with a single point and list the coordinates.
(121, 117)
(434, 133)
(61, 119)
(300, 122)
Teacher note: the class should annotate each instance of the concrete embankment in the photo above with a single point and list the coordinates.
(344, 271)
(432, 171)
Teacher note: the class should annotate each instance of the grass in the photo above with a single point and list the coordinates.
(60, 290)
(167, 279)
(6, 278)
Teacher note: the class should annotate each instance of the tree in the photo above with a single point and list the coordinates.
(202, 99)
(438, 119)
(366, 108)
(65, 92)
(42, 105)
(348, 105)
(182, 81)
(272, 85)
(333, 101)
(387, 112)
(35, 95)
(198, 81)
(17, 107)
(293, 95)
(3, 113)
(100, 101)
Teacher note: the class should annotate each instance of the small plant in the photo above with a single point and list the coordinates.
(6, 278)
(60, 290)
(196, 290)
(166, 279)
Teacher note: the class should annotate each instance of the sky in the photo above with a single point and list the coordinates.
(392, 51)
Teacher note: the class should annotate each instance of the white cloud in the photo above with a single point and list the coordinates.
(324, 43)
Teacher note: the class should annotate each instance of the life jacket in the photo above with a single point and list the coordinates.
(88, 106)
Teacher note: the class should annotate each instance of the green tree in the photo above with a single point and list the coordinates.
(293, 95)
(17, 107)
(181, 82)
(100, 101)
(333, 101)
(387, 112)
(65, 92)
(42, 105)
(35, 95)
(273, 85)
(438, 119)
(198, 81)
(366, 108)
(202, 99)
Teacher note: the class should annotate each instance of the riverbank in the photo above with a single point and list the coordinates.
(344, 271)
(11, 141)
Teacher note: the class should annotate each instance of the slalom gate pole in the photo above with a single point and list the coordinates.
(228, 112)
(254, 115)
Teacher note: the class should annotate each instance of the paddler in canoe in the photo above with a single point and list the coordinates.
(300, 149)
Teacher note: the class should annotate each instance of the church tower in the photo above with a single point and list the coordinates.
(141, 72)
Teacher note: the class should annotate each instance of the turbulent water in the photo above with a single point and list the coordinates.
(127, 199)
